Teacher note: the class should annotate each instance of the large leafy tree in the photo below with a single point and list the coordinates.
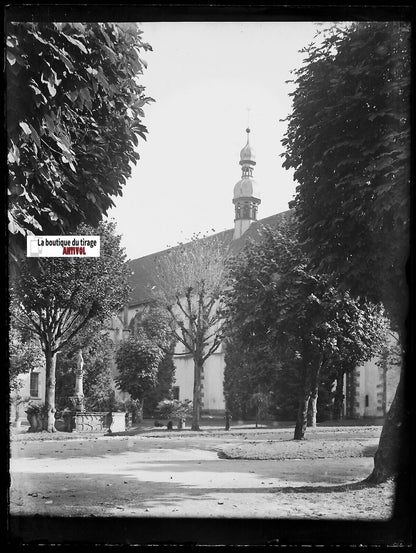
(74, 115)
(276, 303)
(348, 141)
(249, 369)
(98, 380)
(257, 368)
(165, 378)
(56, 298)
(98, 353)
(190, 286)
(155, 324)
(137, 360)
(25, 355)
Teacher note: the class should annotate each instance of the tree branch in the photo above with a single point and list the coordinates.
(36, 327)
(212, 350)
(180, 323)
(76, 315)
(187, 315)
(73, 333)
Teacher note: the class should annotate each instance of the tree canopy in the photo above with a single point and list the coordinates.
(98, 353)
(74, 115)
(137, 361)
(151, 327)
(190, 285)
(277, 308)
(250, 369)
(348, 141)
(57, 297)
(25, 355)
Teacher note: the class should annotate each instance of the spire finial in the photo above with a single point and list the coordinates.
(248, 123)
(246, 195)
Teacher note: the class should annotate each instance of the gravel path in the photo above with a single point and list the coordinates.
(155, 474)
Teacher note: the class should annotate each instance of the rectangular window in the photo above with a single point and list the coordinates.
(366, 401)
(175, 392)
(34, 384)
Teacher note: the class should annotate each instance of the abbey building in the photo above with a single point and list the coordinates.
(368, 390)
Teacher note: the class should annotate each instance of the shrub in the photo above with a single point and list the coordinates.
(173, 408)
(35, 408)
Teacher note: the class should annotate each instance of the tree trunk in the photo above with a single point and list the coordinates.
(389, 461)
(314, 390)
(384, 368)
(312, 408)
(305, 393)
(139, 410)
(49, 420)
(301, 420)
(198, 365)
(227, 420)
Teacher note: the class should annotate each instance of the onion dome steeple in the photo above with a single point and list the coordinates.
(246, 191)
(247, 153)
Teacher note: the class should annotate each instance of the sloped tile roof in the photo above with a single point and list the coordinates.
(143, 269)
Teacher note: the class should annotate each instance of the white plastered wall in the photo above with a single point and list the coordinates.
(212, 383)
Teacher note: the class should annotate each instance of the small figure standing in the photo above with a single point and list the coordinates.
(228, 418)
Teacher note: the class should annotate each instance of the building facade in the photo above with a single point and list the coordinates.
(368, 393)
(368, 390)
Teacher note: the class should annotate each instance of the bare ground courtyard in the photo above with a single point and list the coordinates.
(243, 473)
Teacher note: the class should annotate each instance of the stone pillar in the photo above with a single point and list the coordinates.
(79, 375)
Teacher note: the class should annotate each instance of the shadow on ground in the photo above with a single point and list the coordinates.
(100, 491)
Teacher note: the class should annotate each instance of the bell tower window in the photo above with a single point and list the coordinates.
(245, 199)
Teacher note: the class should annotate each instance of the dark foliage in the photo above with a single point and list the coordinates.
(74, 115)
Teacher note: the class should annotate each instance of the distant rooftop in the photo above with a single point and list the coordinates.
(142, 279)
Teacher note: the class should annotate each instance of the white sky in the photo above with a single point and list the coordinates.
(204, 76)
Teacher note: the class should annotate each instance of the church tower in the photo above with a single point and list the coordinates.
(246, 195)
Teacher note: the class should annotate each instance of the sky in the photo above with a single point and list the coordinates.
(204, 77)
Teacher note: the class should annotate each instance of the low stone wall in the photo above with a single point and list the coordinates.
(90, 422)
(117, 422)
(95, 422)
